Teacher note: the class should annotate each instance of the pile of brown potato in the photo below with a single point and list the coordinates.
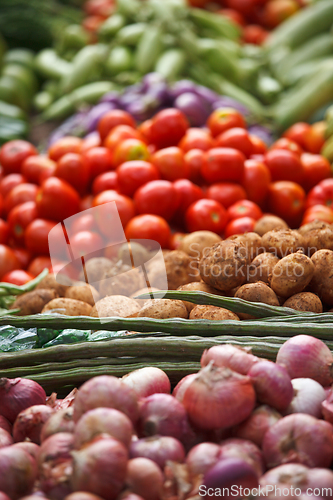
(273, 265)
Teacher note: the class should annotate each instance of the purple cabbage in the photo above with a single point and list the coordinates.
(151, 79)
(111, 97)
(91, 120)
(193, 107)
(207, 94)
(181, 87)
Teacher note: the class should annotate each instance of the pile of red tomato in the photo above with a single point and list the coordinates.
(162, 174)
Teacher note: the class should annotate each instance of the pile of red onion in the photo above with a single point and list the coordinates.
(241, 424)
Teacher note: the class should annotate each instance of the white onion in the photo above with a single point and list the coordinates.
(308, 397)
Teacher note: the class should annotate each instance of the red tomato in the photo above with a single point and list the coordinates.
(318, 212)
(91, 24)
(145, 130)
(244, 208)
(103, 182)
(223, 164)
(168, 128)
(20, 194)
(111, 119)
(256, 180)
(1, 204)
(19, 218)
(8, 260)
(158, 198)
(35, 168)
(284, 165)
(207, 215)
(84, 222)
(9, 182)
(233, 15)
(188, 193)
(36, 236)
(57, 200)
(149, 227)
(86, 202)
(38, 264)
(86, 242)
(4, 232)
(244, 6)
(129, 150)
(196, 138)
(63, 146)
(170, 164)
(194, 160)
(236, 138)
(226, 193)
(223, 119)
(288, 145)
(99, 7)
(287, 200)
(240, 226)
(277, 11)
(134, 174)
(23, 256)
(119, 134)
(198, 3)
(124, 204)
(258, 145)
(97, 160)
(17, 277)
(73, 169)
(314, 137)
(13, 154)
(175, 240)
(255, 34)
(321, 194)
(297, 133)
(2, 173)
(316, 169)
(93, 140)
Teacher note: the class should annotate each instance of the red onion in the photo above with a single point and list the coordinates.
(18, 394)
(308, 397)
(35, 496)
(18, 472)
(5, 424)
(162, 414)
(245, 450)
(5, 438)
(29, 423)
(307, 357)
(103, 421)
(255, 427)
(82, 495)
(272, 384)
(228, 473)
(100, 468)
(182, 385)
(236, 358)
(60, 404)
(219, 398)
(147, 381)
(327, 407)
(202, 457)
(55, 464)
(127, 496)
(31, 448)
(108, 392)
(299, 438)
(145, 478)
(160, 449)
(60, 421)
(3, 496)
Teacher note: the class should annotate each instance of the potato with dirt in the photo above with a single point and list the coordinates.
(305, 301)
(282, 242)
(213, 313)
(84, 292)
(322, 281)
(163, 309)
(95, 269)
(292, 274)
(261, 267)
(180, 269)
(269, 222)
(115, 305)
(194, 244)
(68, 307)
(33, 302)
(256, 292)
(318, 239)
(50, 283)
(121, 279)
(199, 286)
(252, 242)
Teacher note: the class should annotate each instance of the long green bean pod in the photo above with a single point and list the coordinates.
(10, 289)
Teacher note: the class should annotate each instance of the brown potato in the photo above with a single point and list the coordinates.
(33, 302)
(322, 281)
(316, 224)
(84, 292)
(256, 292)
(252, 242)
(95, 268)
(261, 267)
(268, 223)
(69, 307)
(115, 305)
(180, 269)
(318, 239)
(292, 274)
(201, 287)
(305, 301)
(121, 280)
(212, 313)
(50, 282)
(282, 242)
(142, 302)
(194, 244)
(224, 266)
(163, 309)
(135, 252)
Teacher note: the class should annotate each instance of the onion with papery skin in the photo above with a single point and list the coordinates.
(272, 384)
(31, 448)
(18, 472)
(202, 457)
(128, 496)
(147, 381)
(159, 449)
(182, 385)
(304, 356)
(108, 392)
(236, 358)
(5, 424)
(3, 496)
(219, 398)
(299, 438)
(5, 438)
(227, 473)
(82, 495)
(245, 450)
(327, 407)
(100, 468)
(103, 421)
(60, 421)
(29, 423)
(162, 414)
(35, 496)
(255, 427)
(144, 478)
(308, 397)
(18, 394)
